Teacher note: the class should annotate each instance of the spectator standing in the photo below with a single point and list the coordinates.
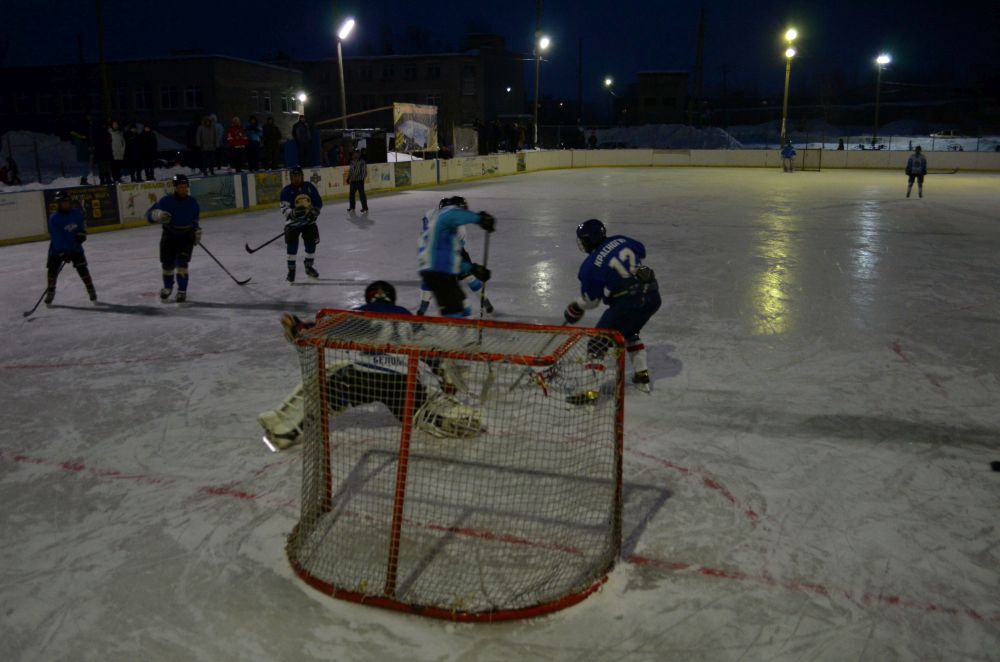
(303, 139)
(103, 154)
(193, 152)
(272, 144)
(236, 139)
(254, 137)
(356, 176)
(220, 141)
(208, 145)
(840, 145)
(133, 164)
(148, 148)
(117, 150)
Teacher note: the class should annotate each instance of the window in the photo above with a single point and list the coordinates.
(144, 98)
(366, 72)
(120, 98)
(169, 97)
(469, 70)
(254, 100)
(70, 101)
(433, 72)
(388, 71)
(265, 102)
(409, 73)
(286, 105)
(434, 100)
(46, 102)
(193, 97)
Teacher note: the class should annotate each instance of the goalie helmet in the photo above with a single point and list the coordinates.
(454, 201)
(590, 234)
(380, 291)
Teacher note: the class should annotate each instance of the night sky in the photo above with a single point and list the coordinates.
(929, 42)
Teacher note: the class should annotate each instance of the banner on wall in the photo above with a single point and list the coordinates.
(520, 162)
(268, 187)
(99, 203)
(480, 166)
(415, 127)
(134, 200)
(214, 193)
(403, 173)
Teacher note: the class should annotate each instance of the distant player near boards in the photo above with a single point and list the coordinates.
(916, 168)
(178, 213)
(300, 205)
(788, 157)
(439, 253)
(374, 377)
(613, 272)
(67, 232)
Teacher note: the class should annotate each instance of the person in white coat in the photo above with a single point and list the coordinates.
(117, 150)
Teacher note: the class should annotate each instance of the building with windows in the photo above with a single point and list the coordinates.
(482, 82)
(168, 92)
(661, 97)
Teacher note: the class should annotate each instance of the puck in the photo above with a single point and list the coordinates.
(995, 465)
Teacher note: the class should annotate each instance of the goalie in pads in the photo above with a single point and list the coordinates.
(374, 378)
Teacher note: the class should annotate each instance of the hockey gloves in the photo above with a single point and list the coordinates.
(81, 237)
(480, 272)
(487, 222)
(160, 216)
(573, 313)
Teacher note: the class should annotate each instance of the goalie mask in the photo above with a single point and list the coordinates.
(380, 291)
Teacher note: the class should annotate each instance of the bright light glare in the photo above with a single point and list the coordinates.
(544, 42)
(791, 34)
(790, 53)
(345, 29)
(508, 89)
(608, 82)
(883, 59)
(302, 96)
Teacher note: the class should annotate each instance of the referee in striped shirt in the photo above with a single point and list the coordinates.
(356, 176)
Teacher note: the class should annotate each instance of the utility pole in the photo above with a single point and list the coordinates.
(538, 60)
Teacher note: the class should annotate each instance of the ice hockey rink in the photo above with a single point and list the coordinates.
(825, 409)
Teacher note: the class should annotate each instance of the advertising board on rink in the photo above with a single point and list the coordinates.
(98, 203)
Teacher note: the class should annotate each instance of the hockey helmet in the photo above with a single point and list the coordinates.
(61, 196)
(380, 291)
(295, 171)
(590, 234)
(454, 201)
(179, 179)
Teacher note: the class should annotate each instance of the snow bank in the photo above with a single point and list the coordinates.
(666, 136)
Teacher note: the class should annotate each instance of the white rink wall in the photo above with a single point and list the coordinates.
(23, 214)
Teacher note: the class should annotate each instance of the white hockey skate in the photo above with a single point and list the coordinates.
(283, 426)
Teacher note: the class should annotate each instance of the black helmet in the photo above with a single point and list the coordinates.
(61, 196)
(180, 179)
(297, 170)
(590, 234)
(380, 291)
(454, 201)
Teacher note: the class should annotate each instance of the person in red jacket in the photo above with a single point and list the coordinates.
(236, 138)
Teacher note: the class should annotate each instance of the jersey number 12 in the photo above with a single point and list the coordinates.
(625, 264)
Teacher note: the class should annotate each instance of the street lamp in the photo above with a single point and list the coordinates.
(302, 96)
(882, 60)
(790, 36)
(345, 30)
(608, 83)
(542, 43)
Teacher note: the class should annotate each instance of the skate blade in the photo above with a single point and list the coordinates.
(276, 444)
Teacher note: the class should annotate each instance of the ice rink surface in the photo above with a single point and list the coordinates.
(826, 405)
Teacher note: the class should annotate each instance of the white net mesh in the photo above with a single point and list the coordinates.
(458, 470)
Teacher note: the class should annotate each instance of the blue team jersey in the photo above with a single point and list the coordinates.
(609, 269)
(440, 247)
(383, 307)
(287, 204)
(184, 213)
(63, 228)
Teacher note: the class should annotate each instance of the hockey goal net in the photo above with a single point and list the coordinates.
(456, 469)
(811, 160)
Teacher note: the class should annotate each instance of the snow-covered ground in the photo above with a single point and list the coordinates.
(824, 414)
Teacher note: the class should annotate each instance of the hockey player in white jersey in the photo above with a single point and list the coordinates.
(474, 284)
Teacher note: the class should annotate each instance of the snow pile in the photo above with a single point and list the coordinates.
(666, 136)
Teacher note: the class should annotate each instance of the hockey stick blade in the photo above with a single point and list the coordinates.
(269, 241)
(221, 266)
(29, 313)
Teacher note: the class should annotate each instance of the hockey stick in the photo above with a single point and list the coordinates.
(529, 371)
(490, 377)
(946, 172)
(238, 282)
(39, 302)
(269, 241)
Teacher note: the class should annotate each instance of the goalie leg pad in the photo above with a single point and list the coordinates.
(285, 422)
(445, 417)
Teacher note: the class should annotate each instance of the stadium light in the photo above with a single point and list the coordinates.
(302, 96)
(882, 60)
(542, 43)
(508, 89)
(608, 82)
(345, 29)
(343, 33)
(790, 35)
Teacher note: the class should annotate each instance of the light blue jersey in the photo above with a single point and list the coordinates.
(441, 242)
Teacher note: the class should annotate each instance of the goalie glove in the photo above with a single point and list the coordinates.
(487, 222)
(573, 313)
(480, 272)
(160, 216)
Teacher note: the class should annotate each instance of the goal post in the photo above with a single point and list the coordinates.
(459, 469)
(810, 160)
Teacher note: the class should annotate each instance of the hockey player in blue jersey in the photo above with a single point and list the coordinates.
(179, 214)
(474, 284)
(613, 272)
(439, 253)
(67, 232)
(300, 205)
(374, 377)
